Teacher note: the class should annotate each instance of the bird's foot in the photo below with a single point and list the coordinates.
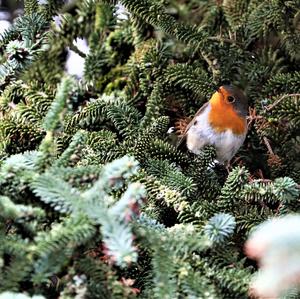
(228, 167)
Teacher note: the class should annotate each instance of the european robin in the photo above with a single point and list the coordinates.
(220, 122)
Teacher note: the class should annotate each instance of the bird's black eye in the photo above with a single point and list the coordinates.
(195, 122)
(231, 99)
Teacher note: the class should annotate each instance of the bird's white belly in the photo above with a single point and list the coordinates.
(200, 134)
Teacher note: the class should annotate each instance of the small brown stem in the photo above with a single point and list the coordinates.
(267, 143)
(77, 51)
(268, 108)
(252, 117)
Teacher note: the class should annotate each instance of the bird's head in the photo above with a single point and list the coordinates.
(229, 96)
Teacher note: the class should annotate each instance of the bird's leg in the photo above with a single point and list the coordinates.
(228, 166)
(237, 161)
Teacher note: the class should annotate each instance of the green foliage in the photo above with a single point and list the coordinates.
(24, 42)
(219, 227)
(96, 201)
(58, 106)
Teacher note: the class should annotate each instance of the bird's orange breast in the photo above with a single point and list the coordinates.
(222, 116)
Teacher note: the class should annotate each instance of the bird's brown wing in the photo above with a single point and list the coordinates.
(190, 124)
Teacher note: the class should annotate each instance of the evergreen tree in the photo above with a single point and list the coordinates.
(96, 199)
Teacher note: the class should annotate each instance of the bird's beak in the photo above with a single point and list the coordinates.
(221, 91)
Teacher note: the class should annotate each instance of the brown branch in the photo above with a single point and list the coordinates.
(267, 143)
(75, 49)
(268, 108)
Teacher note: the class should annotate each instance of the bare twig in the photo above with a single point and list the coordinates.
(77, 51)
(252, 116)
(268, 108)
(267, 143)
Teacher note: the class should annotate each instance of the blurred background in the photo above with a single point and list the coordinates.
(9, 9)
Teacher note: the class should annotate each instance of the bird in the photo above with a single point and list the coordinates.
(221, 122)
